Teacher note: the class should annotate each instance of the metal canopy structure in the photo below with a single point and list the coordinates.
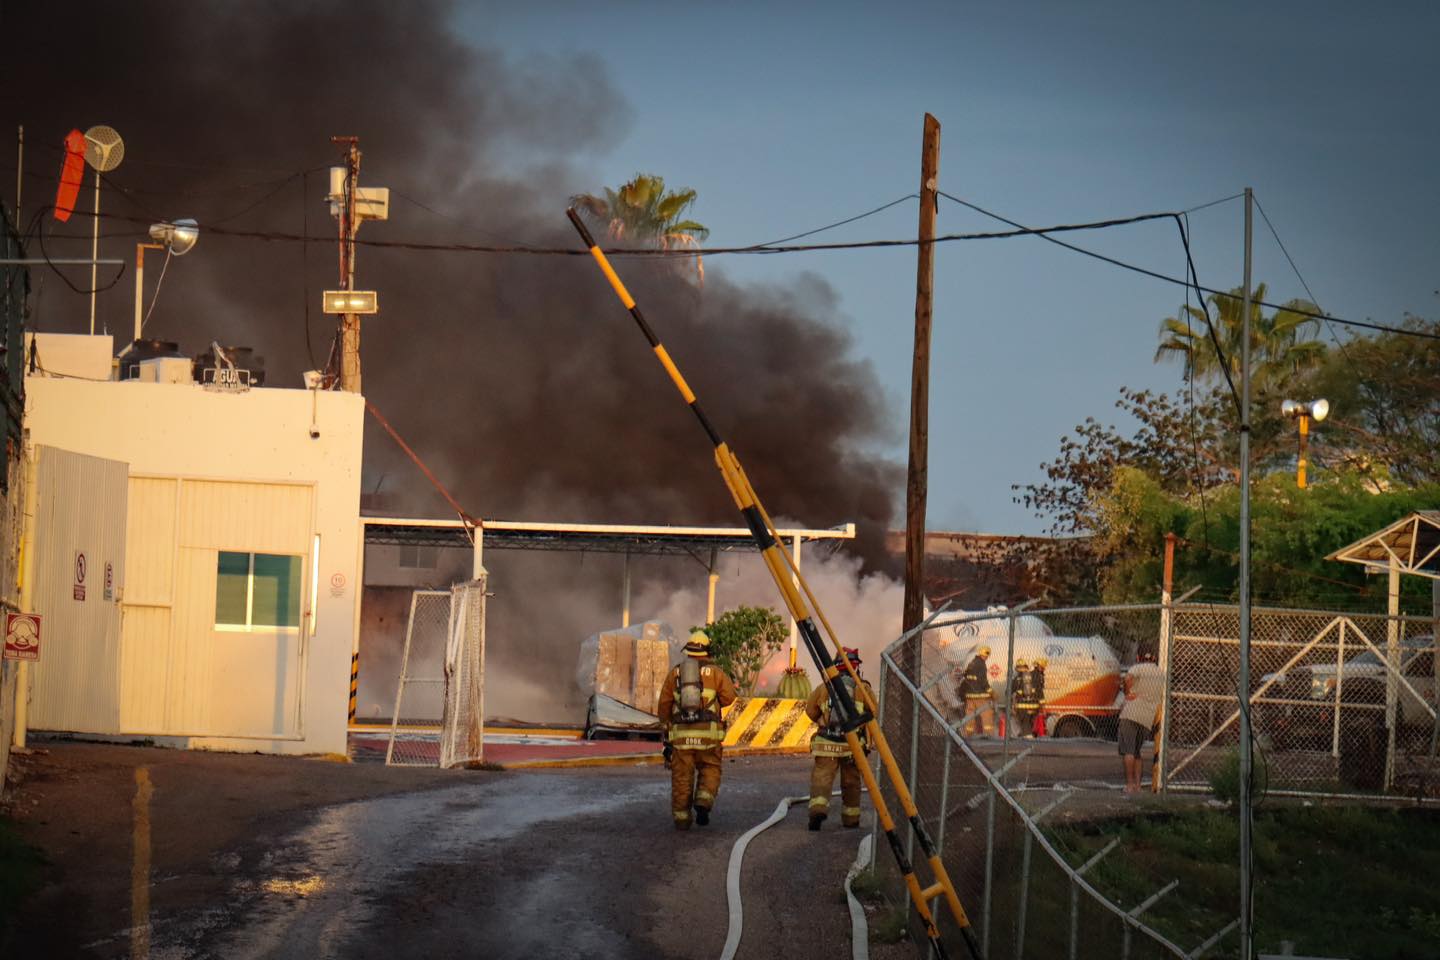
(1412, 545)
(637, 540)
(702, 544)
(1409, 545)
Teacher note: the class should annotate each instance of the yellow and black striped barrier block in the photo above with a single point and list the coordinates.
(768, 722)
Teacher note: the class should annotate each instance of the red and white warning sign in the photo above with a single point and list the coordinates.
(109, 580)
(79, 592)
(22, 636)
(337, 585)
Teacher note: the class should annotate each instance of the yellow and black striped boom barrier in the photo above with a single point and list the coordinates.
(782, 569)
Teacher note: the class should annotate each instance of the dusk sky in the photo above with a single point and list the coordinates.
(786, 119)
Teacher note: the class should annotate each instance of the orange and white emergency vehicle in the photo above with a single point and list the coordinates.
(1083, 692)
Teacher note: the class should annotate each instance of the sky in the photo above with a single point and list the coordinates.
(789, 117)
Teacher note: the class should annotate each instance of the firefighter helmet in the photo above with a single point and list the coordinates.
(699, 645)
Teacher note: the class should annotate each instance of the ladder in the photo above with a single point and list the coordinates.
(800, 601)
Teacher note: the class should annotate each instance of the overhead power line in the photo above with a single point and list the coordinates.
(1157, 275)
(779, 248)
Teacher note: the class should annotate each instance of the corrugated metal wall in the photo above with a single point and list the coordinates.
(182, 676)
(165, 670)
(80, 508)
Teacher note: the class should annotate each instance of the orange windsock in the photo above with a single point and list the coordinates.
(70, 175)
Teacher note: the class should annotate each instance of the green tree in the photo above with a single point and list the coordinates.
(1281, 345)
(743, 640)
(1292, 532)
(644, 212)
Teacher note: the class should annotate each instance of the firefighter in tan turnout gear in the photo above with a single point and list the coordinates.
(832, 753)
(690, 703)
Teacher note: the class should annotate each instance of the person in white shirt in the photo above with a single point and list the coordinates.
(1144, 692)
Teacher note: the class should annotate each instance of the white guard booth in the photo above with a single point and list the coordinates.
(196, 557)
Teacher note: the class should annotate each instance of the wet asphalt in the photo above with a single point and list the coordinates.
(263, 858)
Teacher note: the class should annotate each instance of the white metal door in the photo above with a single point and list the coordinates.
(79, 580)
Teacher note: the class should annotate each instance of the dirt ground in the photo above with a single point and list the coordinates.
(256, 856)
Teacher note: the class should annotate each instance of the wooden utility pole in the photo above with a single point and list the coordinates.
(916, 479)
(349, 322)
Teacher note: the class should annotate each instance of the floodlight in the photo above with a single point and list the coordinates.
(1304, 412)
(178, 238)
(351, 301)
(1316, 410)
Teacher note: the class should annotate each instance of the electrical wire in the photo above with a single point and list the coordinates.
(37, 228)
(776, 248)
(841, 223)
(1156, 275)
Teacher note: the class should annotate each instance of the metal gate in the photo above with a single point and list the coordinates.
(1338, 703)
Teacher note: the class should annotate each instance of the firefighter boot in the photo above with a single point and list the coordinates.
(702, 816)
(815, 820)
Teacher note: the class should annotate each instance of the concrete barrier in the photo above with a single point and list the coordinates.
(768, 724)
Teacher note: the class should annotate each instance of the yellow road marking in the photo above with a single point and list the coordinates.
(140, 868)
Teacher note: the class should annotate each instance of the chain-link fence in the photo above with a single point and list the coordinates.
(1339, 702)
(1013, 823)
(1005, 725)
(420, 693)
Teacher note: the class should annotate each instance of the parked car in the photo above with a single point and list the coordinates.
(1295, 725)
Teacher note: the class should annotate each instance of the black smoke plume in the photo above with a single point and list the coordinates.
(519, 378)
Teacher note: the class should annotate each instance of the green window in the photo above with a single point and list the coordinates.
(257, 590)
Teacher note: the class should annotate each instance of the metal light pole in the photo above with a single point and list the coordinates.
(1246, 760)
(1304, 412)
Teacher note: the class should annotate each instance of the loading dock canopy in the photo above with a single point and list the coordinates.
(631, 539)
(1412, 544)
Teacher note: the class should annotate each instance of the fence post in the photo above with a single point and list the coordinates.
(1009, 713)
(944, 799)
(944, 808)
(1075, 894)
(880, 719)
(989, 874)
(1392, 656)
(914, 776)
(1339, 679)
(1167, 640)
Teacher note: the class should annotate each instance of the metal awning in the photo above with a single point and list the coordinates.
(1411, 544)
(634, 539)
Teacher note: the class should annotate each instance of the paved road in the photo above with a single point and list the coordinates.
(274, 858)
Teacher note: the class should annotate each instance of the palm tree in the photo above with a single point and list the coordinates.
(641, 211)
(1280, 345)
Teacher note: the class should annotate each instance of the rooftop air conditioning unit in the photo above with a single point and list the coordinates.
(166, 370)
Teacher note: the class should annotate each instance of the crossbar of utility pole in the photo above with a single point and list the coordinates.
(917, 473)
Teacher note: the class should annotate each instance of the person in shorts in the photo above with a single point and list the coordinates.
(1144, 692)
